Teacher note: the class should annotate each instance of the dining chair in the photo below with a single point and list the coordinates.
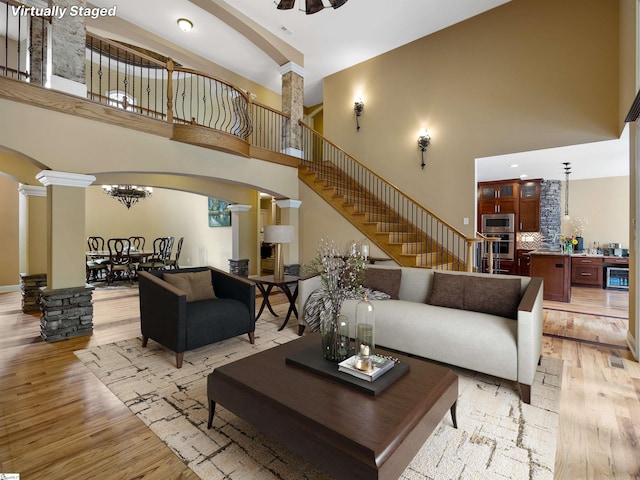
(119, 260)
(157, 259)
(167, 251)
(96, 265)
(136, 243)
(174, 263)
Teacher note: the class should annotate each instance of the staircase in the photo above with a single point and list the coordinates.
(399, 226)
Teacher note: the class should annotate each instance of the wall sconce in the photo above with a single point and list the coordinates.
(424, 139)
(184, 24)
(358, 108)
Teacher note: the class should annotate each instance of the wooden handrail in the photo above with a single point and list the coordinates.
(128, 49)
(271, 109)
(443, 222)
(211, 77)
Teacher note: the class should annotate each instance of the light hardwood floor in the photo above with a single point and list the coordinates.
(57, 421)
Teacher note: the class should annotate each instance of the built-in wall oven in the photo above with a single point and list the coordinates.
(503, 247)
(501, 227)
(498, 223)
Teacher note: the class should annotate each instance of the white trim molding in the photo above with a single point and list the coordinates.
(68, 86)
(292, 67)
(9, 288)
(293, 152)
(64, 179)
(32, 190)
(289, 203)
(239, 208)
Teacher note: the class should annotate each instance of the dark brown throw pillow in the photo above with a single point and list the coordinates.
(496, 296)
(385, 280)
(447, 290)
(197, 285)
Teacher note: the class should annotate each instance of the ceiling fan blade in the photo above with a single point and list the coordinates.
(337, 3)
(314, 6)
(285, 4)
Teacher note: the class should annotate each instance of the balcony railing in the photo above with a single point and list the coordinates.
(22, 43)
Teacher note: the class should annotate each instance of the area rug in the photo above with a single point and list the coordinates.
(498, 437)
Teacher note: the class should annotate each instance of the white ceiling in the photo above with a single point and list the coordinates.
(591, 160)
(330, 40)
(334, 39)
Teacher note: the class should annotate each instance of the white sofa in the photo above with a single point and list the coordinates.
(503, 347)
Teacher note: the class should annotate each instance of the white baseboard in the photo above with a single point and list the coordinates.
(9, 288)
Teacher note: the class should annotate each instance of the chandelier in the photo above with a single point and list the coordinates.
(312, 6)
(128, 195)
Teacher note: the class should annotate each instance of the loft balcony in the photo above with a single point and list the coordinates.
(159, 95)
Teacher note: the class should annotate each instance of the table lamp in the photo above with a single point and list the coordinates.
(279, 234)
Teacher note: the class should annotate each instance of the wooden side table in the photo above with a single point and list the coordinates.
(266, 283)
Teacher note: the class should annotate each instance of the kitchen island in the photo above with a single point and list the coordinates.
(560, 271)
(555, 270)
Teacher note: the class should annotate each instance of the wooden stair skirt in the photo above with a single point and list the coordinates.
(400, 240)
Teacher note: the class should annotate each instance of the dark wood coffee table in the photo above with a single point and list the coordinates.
(347, 433)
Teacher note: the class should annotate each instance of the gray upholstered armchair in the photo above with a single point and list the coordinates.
(188, 308)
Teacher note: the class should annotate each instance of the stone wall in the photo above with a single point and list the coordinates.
(239, 267)
(550, 209)
(66, 313)
(30, 287)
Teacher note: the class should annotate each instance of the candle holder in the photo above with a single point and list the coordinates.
(365, 338)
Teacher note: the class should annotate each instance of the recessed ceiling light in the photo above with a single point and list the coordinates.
(524, 175)
(184, 24)
(514, 165)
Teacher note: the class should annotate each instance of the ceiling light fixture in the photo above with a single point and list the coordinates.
(184, 24)
(311, 6)
(128, 195)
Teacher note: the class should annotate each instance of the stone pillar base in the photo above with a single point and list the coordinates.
(30, 286)
(292, 269)
(66, 313)
(239, 267)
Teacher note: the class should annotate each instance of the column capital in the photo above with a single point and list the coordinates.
(289, 203)
(32, 190)
(239, 208)
(292, 67)
(64, 179)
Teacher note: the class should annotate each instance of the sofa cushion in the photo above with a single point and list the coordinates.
(197, 285)
(447, 290)
(496, 296)
(385, 280)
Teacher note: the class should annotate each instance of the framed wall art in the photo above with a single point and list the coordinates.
(219, 216)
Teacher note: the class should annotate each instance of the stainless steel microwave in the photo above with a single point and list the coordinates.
(498, 223)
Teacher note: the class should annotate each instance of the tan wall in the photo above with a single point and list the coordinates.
(101, 147)
(604, 204)
(528, 75)
(37, 235)
(9, 245)
(315, 225)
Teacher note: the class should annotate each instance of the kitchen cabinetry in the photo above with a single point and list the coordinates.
(556, 273)
(529, 206)
(587, 271)
(523, 262)
(498, 197)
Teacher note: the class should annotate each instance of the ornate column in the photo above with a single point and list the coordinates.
(292, 105)
(66, 302)
(237, 264)
(290, 215)
(33, 245)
